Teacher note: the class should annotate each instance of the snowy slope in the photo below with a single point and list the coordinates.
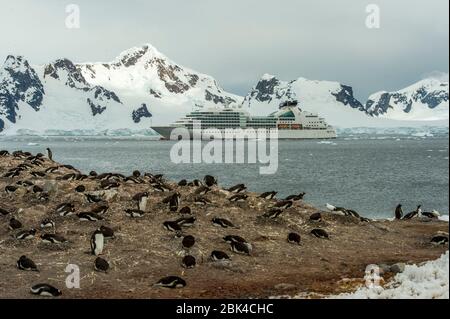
(426, 100)
(428, 281)
(336, 102)
(146, 74)
(331, 100)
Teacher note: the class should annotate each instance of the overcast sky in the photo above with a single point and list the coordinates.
(236, 41)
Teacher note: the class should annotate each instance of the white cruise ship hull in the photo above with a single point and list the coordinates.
(330, 133)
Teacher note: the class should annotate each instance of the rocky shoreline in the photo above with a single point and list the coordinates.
(143, 251)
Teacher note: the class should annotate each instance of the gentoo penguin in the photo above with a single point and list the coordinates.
(45, 290)
(237, 188)
(238, 198)
(172, 226)
(10, 189)
(68, 177)
(101, 265)
(337, 210)
(65, 209)
(134, 213)
(217, 255)
(268, 195)
(183, 182)
(432, 214)
(80, 189)
(26, 234)
(174, 202)
(53, 239)
(414, 213)
(186, 221)
(202, 190)
(171, 282)
(185, 210)
(234, 238)
(294, 238)
(188, 262)
(284, 204)
(209, 180)
(196, 183)
(317, 217)
(100, 210)
(272, 213)
(44, 196)
(93, 174)
(222, 222)
(93, 198)
(47, 223)
(4, 153)
(439, 239)
(25, 183)
(88, 216)
(320, 233)
(296, 197)
(188, 241)
(136, 173)
(398, 212)
(200, 200)
(25, 263)
(109, 184)
(240, 248)
(51, 169)
(97, 242)
(37, 174)
(141, 199)
(107, 232)
(14, 224)
(49, 154)
(4, 212)
(37, 189)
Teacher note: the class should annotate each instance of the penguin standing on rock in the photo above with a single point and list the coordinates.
(97, 243)
(49, 154)
(398, 212)
(141, 199)
(174, 202)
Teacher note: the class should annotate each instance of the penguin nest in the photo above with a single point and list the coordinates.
(143, 252)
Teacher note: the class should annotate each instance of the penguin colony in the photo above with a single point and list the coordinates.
(181, 202)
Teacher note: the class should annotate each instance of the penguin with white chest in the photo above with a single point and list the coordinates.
(25, 263)
(171, 282)
(97, 242)
(45, 290)
(141, 200)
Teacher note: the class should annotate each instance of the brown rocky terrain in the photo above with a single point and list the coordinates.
(143, 251)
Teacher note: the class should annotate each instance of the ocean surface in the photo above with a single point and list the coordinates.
(370, 174)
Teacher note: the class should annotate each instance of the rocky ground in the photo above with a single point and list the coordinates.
(143, 251)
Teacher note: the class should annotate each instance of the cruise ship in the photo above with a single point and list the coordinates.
(289, 120)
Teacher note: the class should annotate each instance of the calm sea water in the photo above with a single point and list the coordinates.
(370, 175)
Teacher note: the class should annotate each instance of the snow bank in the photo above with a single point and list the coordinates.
(428, 281)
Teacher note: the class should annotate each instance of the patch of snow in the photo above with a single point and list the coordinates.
(426, 281)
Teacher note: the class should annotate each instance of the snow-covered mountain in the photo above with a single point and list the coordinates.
(426, 100)
(142, 87)
(141, 84)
